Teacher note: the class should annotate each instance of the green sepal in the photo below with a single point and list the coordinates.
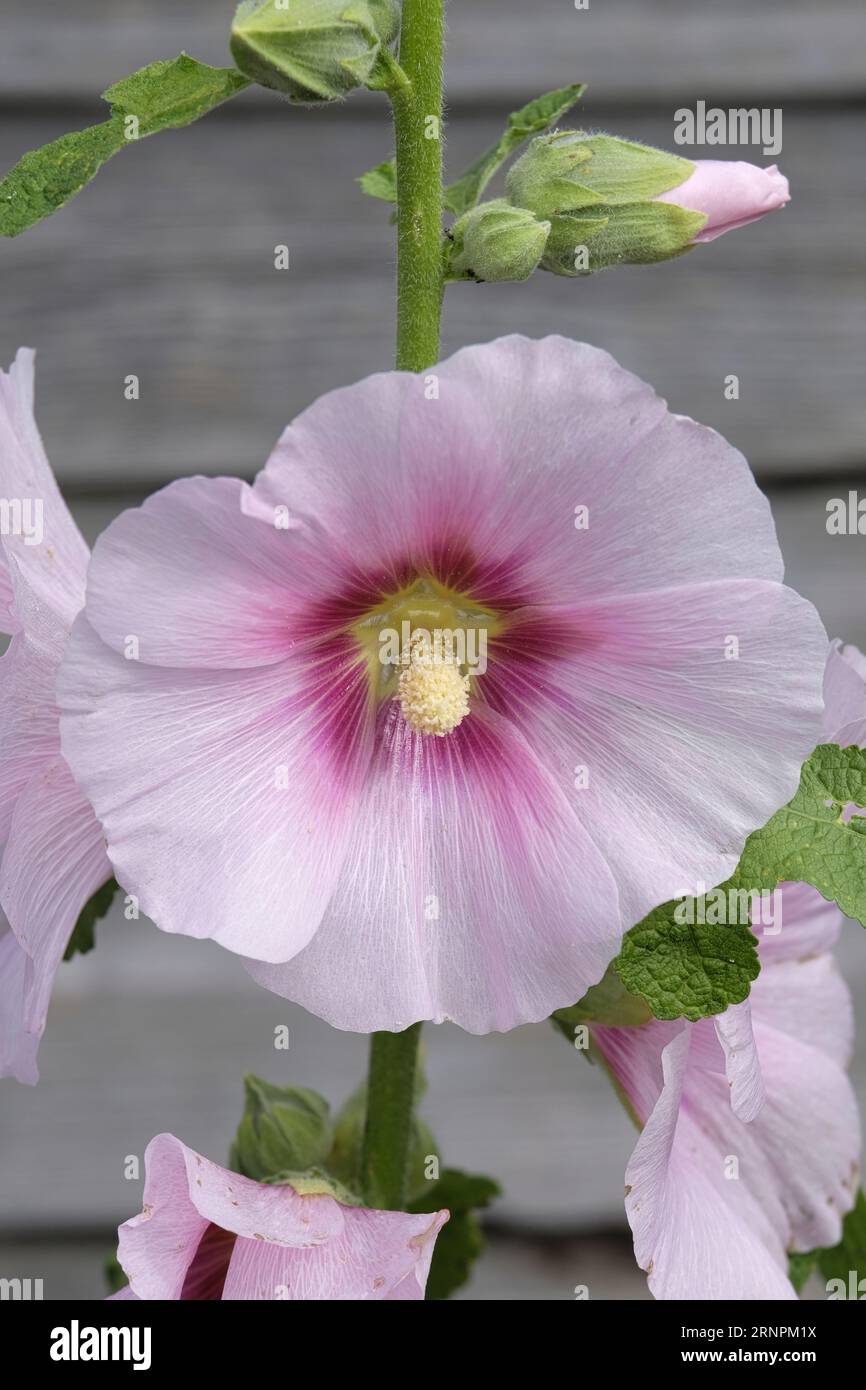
(571, 170)
(83, 938)
(630, 234)
(314, 50)
(315, 1182)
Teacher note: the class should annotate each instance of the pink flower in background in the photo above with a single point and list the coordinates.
(764, 1083)
(53, 856)
(393, 842)
(207, 1233)
(731, 193)
(763, 1086)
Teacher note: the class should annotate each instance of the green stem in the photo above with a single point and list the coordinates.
(391, 1080)
(418, 133)
(416, 98)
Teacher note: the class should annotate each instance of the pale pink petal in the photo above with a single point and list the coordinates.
(742, 1067)
(18, 1046)
(379, 1255)
(804, 925)
(198, 579)
(470, 892)
(226, 797)
(522, 433)
(805, 998)
(845, 697)
(29, 733)
(288, 1246)
(731, 193)
(53, 862)
(52, 559)
(697, 1234)
(639, 693)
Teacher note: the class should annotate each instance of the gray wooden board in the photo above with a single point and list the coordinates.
(152, 1032)
(762, 50)
(164, 267)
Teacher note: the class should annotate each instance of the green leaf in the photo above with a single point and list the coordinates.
(688, 970)
(460, 1241)
(284, 1129)
(114, 1274)
(800, 1267)
(43, 180)
(847, 1260)
(380, 182)
(808, 841)
(161, 96)
(83, 938)
(537, 116)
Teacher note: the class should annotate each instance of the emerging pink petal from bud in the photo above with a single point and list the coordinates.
(732, 193)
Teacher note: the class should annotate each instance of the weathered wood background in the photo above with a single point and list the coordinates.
(164, 268)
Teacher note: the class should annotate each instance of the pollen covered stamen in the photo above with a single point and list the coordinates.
(433, 695)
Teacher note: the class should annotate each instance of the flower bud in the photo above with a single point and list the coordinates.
(497, 241)
(312, 50)
(612, 202)
(282, 1129)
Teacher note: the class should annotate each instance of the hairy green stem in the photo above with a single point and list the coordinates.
(416, 99)
(391, 1080)
(418, 133)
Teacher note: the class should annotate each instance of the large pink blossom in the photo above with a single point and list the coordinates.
(764, 1085)
(53, 855)
(206, 1233)
(226, 712)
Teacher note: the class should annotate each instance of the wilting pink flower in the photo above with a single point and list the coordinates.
(750, 1134)
(261, 774)
(53, 856)
(731, 193)
(206, 1233)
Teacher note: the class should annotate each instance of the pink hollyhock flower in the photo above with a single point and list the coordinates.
(53, 856)
(764, 1084)
(270, 773)
(206, 1233)
(731, 193)
(750, 1134)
